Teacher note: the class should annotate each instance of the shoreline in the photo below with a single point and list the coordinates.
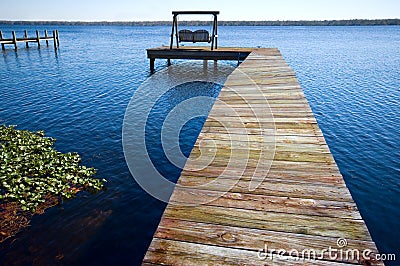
(352, 22)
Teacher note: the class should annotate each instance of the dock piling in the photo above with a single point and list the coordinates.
(26, 37)
(58, 39)
(54, 39)
(152, 65)
(1, 38)
(38, 38)
(46, 36)
(15, 40)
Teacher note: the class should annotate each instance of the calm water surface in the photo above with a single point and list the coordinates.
(351, 77)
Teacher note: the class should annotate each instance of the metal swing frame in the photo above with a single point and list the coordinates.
(214, 34)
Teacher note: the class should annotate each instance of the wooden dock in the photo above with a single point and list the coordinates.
(303, 203)
(26, 39)
(197, 52)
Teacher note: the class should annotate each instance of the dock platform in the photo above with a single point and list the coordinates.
(197, 53)
(300, 212)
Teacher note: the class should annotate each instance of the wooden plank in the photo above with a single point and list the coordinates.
(195, 12)
(281, 101)
(198, 52)
(267, 203)
(270, 187)
(170, 252)
(263, 144)
(207, 48)
(246, 89)
(324, 176)
(263, 132)
(253, 239)
(281, 222)
(226, 97)
(289, 139)
(233, 153)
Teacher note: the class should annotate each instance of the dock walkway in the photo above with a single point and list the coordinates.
(300, 204)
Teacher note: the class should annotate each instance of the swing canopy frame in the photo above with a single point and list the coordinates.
(196, 36)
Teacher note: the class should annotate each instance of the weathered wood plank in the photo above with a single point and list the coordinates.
(170, 252)
(263, 101)
(328, 176)
(265, 143)
(235, 153)
(281, 222)
(278, 138)
(255, 240)
(270, 187)
(266, 203)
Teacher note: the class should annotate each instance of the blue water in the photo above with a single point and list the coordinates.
(190, 130)
(350, 75)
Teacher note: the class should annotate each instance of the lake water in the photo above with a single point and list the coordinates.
(350, 75)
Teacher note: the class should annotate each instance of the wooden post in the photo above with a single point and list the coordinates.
(216, 32)
(15, 40)
(205, 65)
(168, 62)
(176, 32)
(46, 36)
(55, 39)
(1, 38)
(172, 32)
(38, 38)
(152, 64)
(213, 35)
(26, 37)
(58, 38)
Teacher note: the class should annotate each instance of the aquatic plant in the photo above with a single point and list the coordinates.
(32, 171)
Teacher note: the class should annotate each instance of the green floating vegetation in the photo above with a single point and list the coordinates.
(32, 171)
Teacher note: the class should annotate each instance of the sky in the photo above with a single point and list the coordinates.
(142, 10)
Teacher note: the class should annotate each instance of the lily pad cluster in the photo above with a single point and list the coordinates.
(31, 170)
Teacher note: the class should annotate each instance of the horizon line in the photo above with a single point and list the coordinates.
(167, 21)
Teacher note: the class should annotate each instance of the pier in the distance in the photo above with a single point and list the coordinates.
(176, 50)
(26, 39)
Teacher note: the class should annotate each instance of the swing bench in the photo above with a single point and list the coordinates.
(194, 36)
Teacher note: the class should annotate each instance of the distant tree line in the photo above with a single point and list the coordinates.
(351, 22)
